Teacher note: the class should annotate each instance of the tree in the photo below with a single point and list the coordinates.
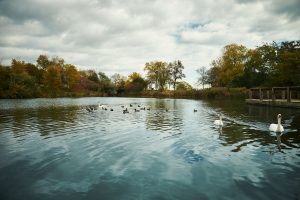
(52, 80)
(119, 82)
(43, 62)
(229, 68)
(287, 70)
(203, 76)
(183, 86)
(92, 75)
(254, 73)
(158, 73)
(175, 69)
(72, 76)
(105, 83)
(135, 83)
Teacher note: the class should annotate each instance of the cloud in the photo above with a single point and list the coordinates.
(121, 36)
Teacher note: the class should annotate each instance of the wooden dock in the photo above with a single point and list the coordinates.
(276, 96)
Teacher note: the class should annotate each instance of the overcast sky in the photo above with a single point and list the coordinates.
(120, 36)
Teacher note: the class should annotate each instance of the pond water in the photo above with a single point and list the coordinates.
(56, 149)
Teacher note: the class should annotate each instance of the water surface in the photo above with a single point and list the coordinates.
(56, 149)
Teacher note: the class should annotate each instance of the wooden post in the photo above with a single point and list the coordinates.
(273, 94)
(268, 94)
(260, 95)
(283, 94)
(250, 94)
(288, 95)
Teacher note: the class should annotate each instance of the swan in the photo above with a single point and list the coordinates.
(219, 122)
(277, 127)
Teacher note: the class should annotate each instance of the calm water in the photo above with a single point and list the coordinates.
(56, 149)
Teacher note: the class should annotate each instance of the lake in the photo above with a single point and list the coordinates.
(56, 149)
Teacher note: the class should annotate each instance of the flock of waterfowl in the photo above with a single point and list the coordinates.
(278, 128)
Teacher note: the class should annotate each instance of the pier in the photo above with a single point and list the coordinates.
(275, 96)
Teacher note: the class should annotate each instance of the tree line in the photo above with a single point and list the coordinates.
(274, 64)
(52, 77)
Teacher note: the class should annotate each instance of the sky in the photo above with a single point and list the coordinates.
(120, 36)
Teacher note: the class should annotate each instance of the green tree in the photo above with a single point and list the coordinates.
(105, 84)
(119, 82)
(43, 62)
(92, 75)
(176, 70)
(183, 86)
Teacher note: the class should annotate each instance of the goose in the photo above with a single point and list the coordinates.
(277, 127)
(219, 122)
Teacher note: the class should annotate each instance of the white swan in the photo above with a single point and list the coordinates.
(219, 122)
(277, 127)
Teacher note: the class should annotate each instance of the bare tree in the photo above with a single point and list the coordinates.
(203, 76)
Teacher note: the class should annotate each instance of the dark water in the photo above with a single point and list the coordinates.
(56, 149)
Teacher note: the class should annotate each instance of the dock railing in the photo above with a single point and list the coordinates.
(276, 96)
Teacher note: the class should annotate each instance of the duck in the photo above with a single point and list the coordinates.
(136, 110)
(277, 127)
(195, 110)
(125, 111)
(219, 121)
(111, 109)
(89, 109)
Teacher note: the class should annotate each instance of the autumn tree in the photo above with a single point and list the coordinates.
(72, 76)
(135, 83)
(176, 71)
(158, 73)
(230, 66)
(52, 80)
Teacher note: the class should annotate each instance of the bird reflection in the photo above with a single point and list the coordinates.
(278, 141)
(220, 129)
